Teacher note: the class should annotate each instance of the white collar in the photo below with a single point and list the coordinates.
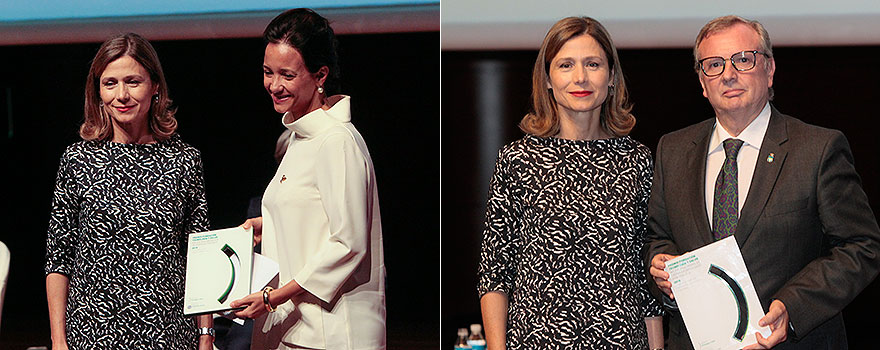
(752, 135)
(319, 120)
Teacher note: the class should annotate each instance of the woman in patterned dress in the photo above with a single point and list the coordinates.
(565, 221)
(126, 197)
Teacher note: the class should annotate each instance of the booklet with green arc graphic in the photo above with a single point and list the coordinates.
(716, 297)
(218, 269)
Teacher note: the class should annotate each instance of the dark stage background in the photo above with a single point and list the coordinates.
(225, 112)
(485, 94)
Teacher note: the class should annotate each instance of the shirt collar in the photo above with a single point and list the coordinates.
(752, 136)
(319, 120)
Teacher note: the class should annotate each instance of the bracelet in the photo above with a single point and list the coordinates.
(206, 331)
(266, 302)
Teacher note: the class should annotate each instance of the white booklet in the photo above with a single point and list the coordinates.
(265, 271)
(218, 269)
(716, 296)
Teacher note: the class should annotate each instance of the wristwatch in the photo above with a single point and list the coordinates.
(206, 331)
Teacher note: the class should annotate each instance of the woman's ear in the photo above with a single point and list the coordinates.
(321, 75)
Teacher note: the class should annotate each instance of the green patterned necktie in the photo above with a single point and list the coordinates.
(726, 208)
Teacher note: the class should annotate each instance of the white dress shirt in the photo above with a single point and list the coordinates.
(752, 136)
(321, 224)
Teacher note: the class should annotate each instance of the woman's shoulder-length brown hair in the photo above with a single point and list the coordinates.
(97, 124)
(543, 119)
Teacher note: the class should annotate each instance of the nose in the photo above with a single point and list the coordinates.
(580, 75)
(275, 84)
(730, 72)
(122, 94)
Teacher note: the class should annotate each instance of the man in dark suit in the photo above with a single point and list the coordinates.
(786, 190)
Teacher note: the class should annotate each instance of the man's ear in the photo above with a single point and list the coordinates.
(703, 85)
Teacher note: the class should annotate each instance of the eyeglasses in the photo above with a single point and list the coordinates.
(742, 61)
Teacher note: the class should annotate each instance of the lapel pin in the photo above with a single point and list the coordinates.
(285, 177)
(770, 158)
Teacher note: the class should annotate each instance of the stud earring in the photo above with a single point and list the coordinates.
(320, 90)
(156, 98)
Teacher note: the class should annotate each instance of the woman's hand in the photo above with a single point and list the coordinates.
(254, 305)
(257, 224)
(253, 302)
(206, 342)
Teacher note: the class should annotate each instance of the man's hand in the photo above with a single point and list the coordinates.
(777, 319)
(661, 277)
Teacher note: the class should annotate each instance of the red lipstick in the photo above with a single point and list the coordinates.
(583, 93)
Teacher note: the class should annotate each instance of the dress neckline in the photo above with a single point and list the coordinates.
(555, 141)
(153, 145)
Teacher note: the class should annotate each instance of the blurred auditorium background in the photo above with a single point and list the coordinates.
(826, 74)
(212, 55)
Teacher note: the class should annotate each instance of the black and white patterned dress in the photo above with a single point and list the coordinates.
(118, 229)
(565, 226)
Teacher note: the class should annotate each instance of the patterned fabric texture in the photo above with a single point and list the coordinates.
(118, 229)
(726, 202)
(565, 226)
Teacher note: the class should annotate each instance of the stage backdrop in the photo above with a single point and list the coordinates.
(485, 94)
(224, 111)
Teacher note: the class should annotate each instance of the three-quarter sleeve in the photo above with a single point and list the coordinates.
(63, 231)
(497, 270)
(344, 184)
(196, 214)
(650, 306)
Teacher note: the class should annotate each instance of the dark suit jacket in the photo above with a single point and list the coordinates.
(806, 231)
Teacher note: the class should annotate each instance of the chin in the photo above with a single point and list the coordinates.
(124, 119)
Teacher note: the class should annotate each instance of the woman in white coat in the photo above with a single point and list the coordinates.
(321, 210)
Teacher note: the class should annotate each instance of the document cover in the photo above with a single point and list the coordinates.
(716, 296)
(218, 269)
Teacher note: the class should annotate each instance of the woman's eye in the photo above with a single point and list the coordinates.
(565, 65)
(593, 65)
(109, 83)
(133, 82)
(288, 76)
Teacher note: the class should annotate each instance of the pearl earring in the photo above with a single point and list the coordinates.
(320, 90)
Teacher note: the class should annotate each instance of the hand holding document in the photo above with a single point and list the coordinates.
(264, 271)
(716, 296)
(218, 269)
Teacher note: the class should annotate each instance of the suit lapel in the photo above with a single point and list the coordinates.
(695, 181)
(766, 173)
